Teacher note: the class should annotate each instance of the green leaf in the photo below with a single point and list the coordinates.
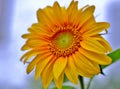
(65, 87)
(115, 55)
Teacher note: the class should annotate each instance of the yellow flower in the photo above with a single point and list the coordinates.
(66, 41)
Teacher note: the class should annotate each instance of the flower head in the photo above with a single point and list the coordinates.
(66, 41)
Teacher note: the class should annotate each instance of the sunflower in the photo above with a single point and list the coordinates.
(66, 41)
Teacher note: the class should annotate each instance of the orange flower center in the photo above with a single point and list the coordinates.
(65, 41)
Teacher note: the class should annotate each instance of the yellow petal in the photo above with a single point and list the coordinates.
(38, 58)
(43, 61)
(51, 12)
(96, 28)
(86, 67)
(59, 66)
(72, 11)
(57, 12)
(41, 14)
(39, 29)
(25, 47)
(36, 42)
(93, 45)
(103, 42)
(44, 18)
(72, 6)
(81, 71)
(91, 21)
(71, 72)
(99, 58)
(32, 64)
(65, 15)
(35, 36)
(59, 81)
(28, 55)
(85, 15)
(47, 74)
(47, 77)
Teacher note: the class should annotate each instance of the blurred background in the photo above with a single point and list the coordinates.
(15, 18)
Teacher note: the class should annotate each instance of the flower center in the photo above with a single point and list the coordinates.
(65, 42)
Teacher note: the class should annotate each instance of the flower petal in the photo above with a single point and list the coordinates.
(91, 21)
(85, 66)
(28, 55)
(59, 81)
(103, 42)
(25, 47)
(32, 64)
(47, 74)
(73, 5)
(39, 29)
(99, 58)
(45, 17)
(72, 11)
(36, 43)
(43, 61)
(96, 29)
(38, 58)
(41, 16)
(71, 71)
(59, 66)
(85, 15)
(36, 36)
(93, 45)
(58, 15)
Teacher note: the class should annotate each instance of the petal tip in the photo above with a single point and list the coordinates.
(92, 8)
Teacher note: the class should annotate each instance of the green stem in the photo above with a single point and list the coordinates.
(81, 82)
(89, 83)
